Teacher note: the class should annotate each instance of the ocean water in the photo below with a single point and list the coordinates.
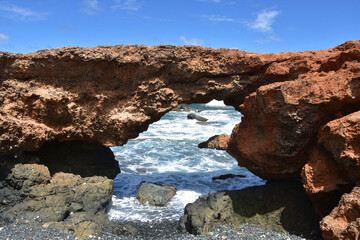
(167, 154)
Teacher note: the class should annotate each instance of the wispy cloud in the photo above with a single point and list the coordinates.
(218, 18)
(264, 20)
(130, 5)
(214, 1)
(4, 39)
(91, 7)
(24, 14)
(192, 41)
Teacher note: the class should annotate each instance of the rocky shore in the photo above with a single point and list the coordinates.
(60, 110)
(147, 231)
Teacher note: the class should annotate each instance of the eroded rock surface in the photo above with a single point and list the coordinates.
(65, 201)
(155, 194)
(277, 206)
(109, 94)
(344, 221)
(341, 137)
(219, 142)
(293, 103)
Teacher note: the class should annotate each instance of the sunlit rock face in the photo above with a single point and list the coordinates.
(299, 108)
(109, 94)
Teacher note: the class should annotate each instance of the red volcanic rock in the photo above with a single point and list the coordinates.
(219, 142)
(320, 174)
(341, 137)
(281, 120)
(344, 221)
(110, 94)
(323, 181)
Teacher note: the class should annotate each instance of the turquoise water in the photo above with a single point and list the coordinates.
(167, 153)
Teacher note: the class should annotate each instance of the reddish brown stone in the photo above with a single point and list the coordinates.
(341, 138)
(344, 221)
(110, 94)
(281, 120)
(320, 174)
(219, 142)
(323, 181)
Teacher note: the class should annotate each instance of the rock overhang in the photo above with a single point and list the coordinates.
(109, 94)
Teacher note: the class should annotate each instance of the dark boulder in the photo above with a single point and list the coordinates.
(197, 117)
(227, 176)
(277, 206)
(155, 194)
(219, 142)
(66, 201)
(185, 108)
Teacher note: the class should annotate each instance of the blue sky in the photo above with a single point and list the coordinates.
(250, 25)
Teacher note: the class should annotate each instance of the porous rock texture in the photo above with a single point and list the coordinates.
(109, 94)
(291, 103)
(65, 201)
(344, 221)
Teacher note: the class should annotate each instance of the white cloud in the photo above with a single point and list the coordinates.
(214, 1)
(91, 7)
(192, 41)
(130, 5)
(4, 39)
(218, 18)
(264, 21)
(24, 14)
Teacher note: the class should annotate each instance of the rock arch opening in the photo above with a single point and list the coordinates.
(168, 154)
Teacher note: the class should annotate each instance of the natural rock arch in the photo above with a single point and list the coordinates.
(110, 94)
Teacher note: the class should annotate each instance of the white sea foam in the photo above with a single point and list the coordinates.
(167, 153)
(215, 103)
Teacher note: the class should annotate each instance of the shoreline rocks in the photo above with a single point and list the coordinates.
(155, 194)
(277, 206)
(196, 117)
(227, 176)
(219, 142)
(65, 201)
(293, 105)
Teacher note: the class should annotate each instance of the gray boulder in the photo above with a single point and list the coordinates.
(197, 117)
(155, 194)
(66, 201)
(281, 206)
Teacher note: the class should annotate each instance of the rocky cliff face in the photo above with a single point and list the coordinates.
(109, 94)
(300, 108)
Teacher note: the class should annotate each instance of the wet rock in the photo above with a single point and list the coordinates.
(197, 117)
(141, 170)
(344, 220)
(219, 142)
(227, 176)
(185, 108)
(278, 206)
(155, 194)
(82, 158)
